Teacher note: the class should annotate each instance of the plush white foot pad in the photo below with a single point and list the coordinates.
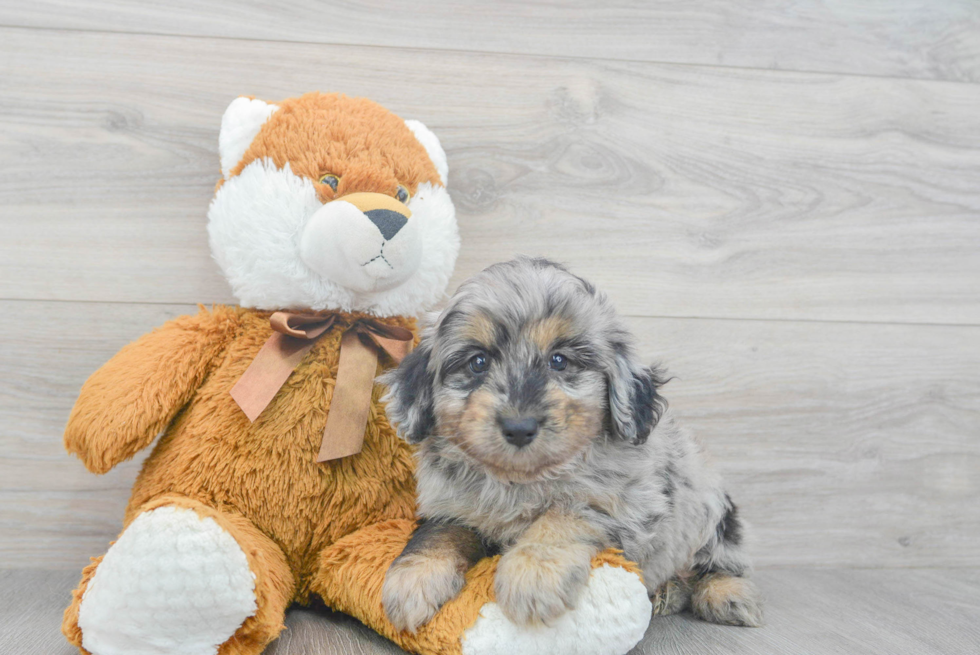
(611, 617)
(172, 583)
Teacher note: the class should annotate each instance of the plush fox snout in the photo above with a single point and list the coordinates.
(365, 241)
(385, 212)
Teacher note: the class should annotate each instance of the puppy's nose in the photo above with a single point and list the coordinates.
(519, 431)
(387, 214)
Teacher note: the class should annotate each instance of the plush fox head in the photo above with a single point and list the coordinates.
(330, 202)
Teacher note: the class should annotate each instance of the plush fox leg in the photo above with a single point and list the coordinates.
(610, 617)
(182, 578)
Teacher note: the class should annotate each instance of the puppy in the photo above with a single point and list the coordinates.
(543, 438)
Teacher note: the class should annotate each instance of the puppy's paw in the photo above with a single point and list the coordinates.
(537, 583)
(416, 586)
(672, 596)
(727, 599)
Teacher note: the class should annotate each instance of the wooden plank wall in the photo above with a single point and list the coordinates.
(784, 198)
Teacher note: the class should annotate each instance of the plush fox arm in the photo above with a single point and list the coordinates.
(126, 403)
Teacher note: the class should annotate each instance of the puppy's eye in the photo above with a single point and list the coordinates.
(330, 180)
(558, 362)
(479, 363)
(402, 195)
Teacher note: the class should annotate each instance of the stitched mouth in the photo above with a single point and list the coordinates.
(381, 256)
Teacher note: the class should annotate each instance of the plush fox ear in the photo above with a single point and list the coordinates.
(242, 121)
(432, 146)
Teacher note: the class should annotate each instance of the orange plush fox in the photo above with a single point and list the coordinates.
(336, 208)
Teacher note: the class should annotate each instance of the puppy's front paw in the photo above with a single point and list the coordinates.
(537, 583)
(730, 600)
(416, 586)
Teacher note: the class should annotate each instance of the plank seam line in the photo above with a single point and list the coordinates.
(753, 319)
(655, 62)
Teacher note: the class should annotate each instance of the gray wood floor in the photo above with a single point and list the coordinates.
(783, 198)
(810, 611)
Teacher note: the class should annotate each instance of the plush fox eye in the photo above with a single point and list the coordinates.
(558, 362)
(479, 363)
(402, 194)
(330, 180)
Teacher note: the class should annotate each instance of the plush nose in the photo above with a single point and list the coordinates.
(519, 431)
(387, 214)
(389, 222)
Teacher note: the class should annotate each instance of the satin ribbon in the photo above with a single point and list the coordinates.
(293, 336)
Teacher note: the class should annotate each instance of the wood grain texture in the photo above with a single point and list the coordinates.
(818, 612)
(683, 191)
(909, 612)
(905, 38)
(843, 444)
(53, 512)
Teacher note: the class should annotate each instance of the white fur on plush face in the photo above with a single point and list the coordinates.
(240, 123)
(341, 244)
(432, 146)
(281, 248)
(257, 223)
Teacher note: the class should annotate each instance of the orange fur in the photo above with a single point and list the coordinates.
(260, 481)
(365, 145)
(265, 472)
(135, 395)
(69, 623)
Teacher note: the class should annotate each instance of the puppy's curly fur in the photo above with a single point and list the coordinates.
(542, 436)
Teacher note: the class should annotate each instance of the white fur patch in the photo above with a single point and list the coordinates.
(172, 583)
(611, 617)
(256, 223)
(240, 123)
(432, 146)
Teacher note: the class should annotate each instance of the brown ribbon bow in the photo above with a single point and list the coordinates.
(293, 336)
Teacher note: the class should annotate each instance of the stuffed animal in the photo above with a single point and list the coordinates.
(277, 476)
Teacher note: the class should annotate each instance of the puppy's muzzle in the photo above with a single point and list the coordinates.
(519, 431)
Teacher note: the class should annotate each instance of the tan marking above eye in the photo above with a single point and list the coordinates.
(547, 331)
(480, 329)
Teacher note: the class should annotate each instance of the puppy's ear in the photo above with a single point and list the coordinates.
(634, 404)
(409, 398)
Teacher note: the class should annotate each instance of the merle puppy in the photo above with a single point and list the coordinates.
(542, 436)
